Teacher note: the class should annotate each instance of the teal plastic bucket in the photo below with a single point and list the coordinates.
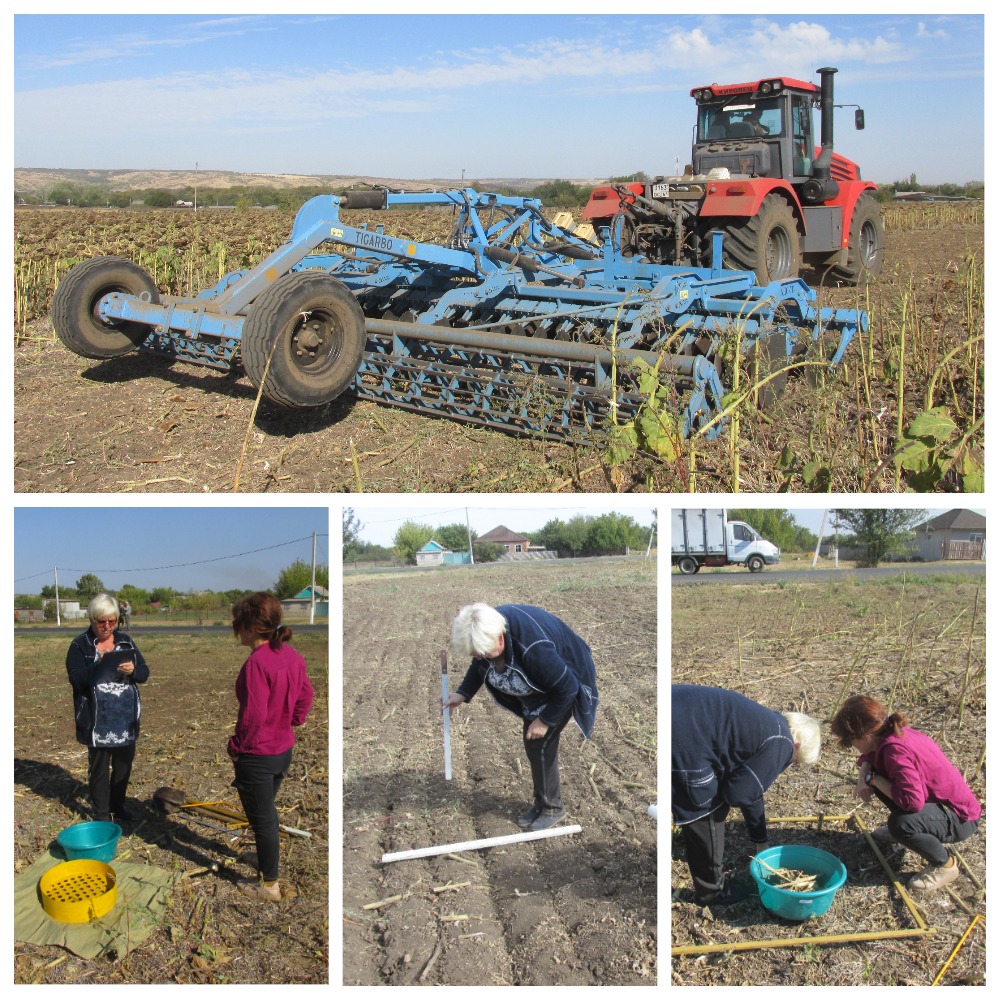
(97, 841)
(830, 871)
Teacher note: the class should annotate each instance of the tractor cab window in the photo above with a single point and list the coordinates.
(739, 120)
(802, 136)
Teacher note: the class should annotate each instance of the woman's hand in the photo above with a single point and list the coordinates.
(127, 668)
(862, 790)
(536, 730)
(452, 701)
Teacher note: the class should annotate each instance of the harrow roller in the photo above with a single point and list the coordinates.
(511, 322)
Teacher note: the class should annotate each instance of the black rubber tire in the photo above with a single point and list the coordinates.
(688, 565)
(767, 244)
(864, 249)
(74, 307)
(317, 331)
(755, 564)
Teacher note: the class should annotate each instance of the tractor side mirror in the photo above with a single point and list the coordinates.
(859, 119)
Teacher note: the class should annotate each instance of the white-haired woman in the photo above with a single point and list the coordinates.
(726, 751)
(537, 667)
(104, 667)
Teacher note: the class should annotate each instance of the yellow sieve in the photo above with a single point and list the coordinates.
(77, 891)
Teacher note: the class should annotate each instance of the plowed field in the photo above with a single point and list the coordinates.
(574, 910)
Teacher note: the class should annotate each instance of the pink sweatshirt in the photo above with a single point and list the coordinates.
(274, 693)
(921, 773)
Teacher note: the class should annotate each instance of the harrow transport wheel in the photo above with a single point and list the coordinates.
(74, 307)
(755, 564)
(768, 243)
(864, 250)
(304, 339)
(688, 565)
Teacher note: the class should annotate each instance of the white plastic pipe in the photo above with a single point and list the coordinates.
(476, 845)
(446, 717)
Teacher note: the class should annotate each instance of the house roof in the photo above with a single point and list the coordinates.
(305, 595)
(433, 546)
(959, 519)
(501, 535)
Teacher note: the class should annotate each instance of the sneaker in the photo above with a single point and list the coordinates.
(526, 819)
(934, 877)
(546, 820)
(261, 891)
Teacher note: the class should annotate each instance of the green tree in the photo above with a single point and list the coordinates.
(484, 552)
(879, 533)
(162, 595)
(158, 198)
(295, 578)
(453, 536)
(136, 596)
(88, 587)
(409, 539)
(611, 534)
(350, 531)
(26, 601)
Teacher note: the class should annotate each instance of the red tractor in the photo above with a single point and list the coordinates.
(757, 175)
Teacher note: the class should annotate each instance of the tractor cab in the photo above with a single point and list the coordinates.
(761, 129)
(765, 129)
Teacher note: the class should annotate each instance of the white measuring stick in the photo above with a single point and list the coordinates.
(476, 845)
(446, 718)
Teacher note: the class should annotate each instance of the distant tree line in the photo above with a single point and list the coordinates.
(583, 535)
(293, 579)
(552, 194)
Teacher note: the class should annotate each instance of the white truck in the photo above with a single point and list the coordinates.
(702, 537)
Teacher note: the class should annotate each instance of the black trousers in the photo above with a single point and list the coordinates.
(543, 756)
(926, 832)
(705, 843)
(257, 781)
(108, 772)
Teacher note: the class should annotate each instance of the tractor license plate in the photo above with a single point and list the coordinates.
(661, 191)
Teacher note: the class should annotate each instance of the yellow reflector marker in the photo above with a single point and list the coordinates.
(411, 249)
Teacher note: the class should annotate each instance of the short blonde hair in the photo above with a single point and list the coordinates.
(102, 606)
(476, 629)
(806, 733)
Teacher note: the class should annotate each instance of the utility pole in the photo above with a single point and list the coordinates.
(312, 589)
(55, 574)
(468, 528)
(196, 187)
(819, 541)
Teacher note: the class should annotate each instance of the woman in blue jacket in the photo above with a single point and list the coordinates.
(104, 667)
(726, 751)
(537, 667)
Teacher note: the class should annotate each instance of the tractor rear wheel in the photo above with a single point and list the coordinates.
(767, 244)
(74, 307)
(304, 339)
(864, 249)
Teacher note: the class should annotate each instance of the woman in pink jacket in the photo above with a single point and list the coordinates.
(274, 695)
(930, 804)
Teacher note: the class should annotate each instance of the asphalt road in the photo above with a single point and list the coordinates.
(707, 577)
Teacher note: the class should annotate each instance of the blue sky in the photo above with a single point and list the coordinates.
(148, 546)
(574, 95)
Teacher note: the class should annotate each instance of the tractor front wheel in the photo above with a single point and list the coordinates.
(864, 250)
(767, 244)
(75, 315)
(304, 339)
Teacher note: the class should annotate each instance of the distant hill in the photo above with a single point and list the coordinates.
(30, 180)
